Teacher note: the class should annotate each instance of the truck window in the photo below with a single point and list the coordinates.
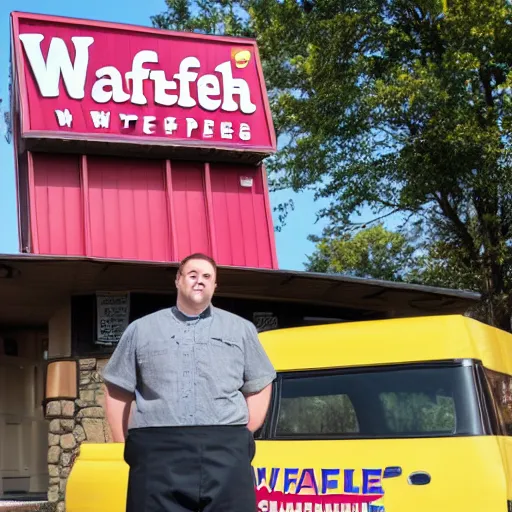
(418, 412)
(399, 401)
(317, 414)
(501, 387)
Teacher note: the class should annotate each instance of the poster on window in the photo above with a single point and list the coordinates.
(113, 312)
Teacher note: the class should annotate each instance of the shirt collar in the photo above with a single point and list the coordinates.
(182, 317)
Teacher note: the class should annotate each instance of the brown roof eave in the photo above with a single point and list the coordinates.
(40, 283)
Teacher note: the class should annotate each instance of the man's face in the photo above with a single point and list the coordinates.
(196, 283)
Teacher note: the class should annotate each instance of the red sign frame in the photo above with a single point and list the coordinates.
(116, 83)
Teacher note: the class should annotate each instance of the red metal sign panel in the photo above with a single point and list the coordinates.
(107, 82)
(146, 210)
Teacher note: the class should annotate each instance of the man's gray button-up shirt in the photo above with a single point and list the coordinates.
(190, 370)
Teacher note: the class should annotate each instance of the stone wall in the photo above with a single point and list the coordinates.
(73, 423)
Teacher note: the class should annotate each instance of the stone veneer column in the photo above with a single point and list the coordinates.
(73, 423)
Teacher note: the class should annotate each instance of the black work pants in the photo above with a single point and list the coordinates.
(199, 469)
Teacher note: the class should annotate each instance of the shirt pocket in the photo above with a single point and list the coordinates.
(158, 360)
(227, 361)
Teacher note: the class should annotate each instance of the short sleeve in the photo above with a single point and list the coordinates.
(258, 371)
(121, 367)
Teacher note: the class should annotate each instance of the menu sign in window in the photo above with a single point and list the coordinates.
(113, 312)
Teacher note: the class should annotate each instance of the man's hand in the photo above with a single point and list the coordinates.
(258, 404)
(118, 403)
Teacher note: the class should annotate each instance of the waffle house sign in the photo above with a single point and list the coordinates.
(109, 82)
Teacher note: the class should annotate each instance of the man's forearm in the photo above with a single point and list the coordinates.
(118, 404)
(258, 404)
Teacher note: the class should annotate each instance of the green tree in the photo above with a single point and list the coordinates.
(373, 252)
(394, 106)
(376, 252)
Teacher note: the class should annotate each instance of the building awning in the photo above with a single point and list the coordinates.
(33, 287)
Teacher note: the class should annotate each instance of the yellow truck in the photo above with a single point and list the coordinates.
(402, 415)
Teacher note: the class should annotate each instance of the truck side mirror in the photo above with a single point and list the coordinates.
(61, 380)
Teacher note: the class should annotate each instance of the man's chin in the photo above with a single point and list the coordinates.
(199, 299)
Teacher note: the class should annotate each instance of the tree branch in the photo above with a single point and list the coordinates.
(485, 78)
(460, 228)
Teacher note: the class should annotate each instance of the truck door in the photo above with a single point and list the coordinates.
(379, 439)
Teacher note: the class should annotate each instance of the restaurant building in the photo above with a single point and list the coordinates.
(135, 147)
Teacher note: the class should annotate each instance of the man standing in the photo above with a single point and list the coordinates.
(186, 388)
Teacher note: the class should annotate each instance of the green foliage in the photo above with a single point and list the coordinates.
(402, 412)
(222, 17)
(378, 253)
(317, 415)
(373, 252)
(392, 106)
(416, 412)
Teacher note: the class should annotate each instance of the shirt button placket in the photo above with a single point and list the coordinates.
(192, 380)
(188, 371)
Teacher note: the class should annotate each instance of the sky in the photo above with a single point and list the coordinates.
(292, 244)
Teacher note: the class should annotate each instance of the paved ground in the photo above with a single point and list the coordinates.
(20, 506)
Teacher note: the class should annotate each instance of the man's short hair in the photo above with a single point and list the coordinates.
(197, 256)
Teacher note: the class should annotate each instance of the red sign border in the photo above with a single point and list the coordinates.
(20, 88)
